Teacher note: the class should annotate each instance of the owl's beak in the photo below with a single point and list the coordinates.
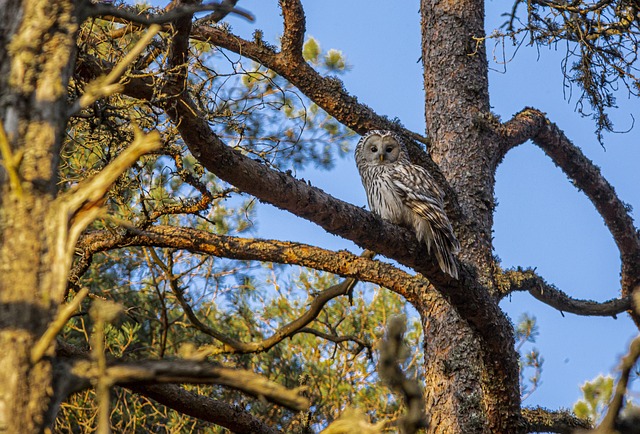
(381, 158)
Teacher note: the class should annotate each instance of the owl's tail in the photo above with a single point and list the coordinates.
(445, 246)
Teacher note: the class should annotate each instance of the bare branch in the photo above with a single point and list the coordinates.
(542, 420)
(586, 176)
(527, 280)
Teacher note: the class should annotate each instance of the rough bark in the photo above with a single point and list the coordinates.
(473, 394)
(36, 51)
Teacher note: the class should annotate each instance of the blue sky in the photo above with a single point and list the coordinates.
(542, 220)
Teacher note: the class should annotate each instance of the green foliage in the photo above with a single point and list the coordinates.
(596, 395)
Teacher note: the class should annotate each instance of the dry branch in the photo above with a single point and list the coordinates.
(527, 280)
(534, 125)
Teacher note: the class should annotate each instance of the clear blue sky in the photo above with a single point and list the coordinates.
(542, 220)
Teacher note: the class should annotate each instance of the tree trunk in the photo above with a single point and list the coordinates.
(466, 393)
(38, 45)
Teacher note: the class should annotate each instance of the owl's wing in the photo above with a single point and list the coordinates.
(421, 194)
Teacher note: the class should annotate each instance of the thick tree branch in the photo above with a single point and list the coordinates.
(109, 11)
(527, 280)
(586, 176)
(294, 29)
(170, 395)
(204, 408)
(542, 420)
(341, 263)
(189, 371)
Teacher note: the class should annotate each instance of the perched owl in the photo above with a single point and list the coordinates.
(406, 194)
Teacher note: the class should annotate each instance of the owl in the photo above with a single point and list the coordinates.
(406, 194)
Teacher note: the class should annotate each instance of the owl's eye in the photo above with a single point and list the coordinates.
(374, 149)
(389, 149)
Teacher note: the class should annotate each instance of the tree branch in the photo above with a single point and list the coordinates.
(204, 408)
(341, 263)
(542, 420)
(586, 176)
(170, 395)
(189, 371)
(527, 280)
(327, 92)
(107, 11)
(294, 29)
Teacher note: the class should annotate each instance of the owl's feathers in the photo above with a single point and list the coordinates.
(406, 194)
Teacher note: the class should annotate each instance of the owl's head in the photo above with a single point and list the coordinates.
(380, 147)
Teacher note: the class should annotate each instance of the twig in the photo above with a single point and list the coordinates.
(527, 280)
(64, 314)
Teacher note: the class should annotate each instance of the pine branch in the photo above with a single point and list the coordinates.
(527, 280)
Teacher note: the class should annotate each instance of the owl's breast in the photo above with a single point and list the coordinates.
(385, 200)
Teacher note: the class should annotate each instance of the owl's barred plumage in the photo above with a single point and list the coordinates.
(405, 194)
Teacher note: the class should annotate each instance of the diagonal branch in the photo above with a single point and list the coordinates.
(527, 280)
(170, 395)
(326, 92)
(586, 176)
(608, 424)
(204, 408)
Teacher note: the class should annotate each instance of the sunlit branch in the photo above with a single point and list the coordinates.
(341, 263)
(542, 420)
(294, 29)
(527, 280)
